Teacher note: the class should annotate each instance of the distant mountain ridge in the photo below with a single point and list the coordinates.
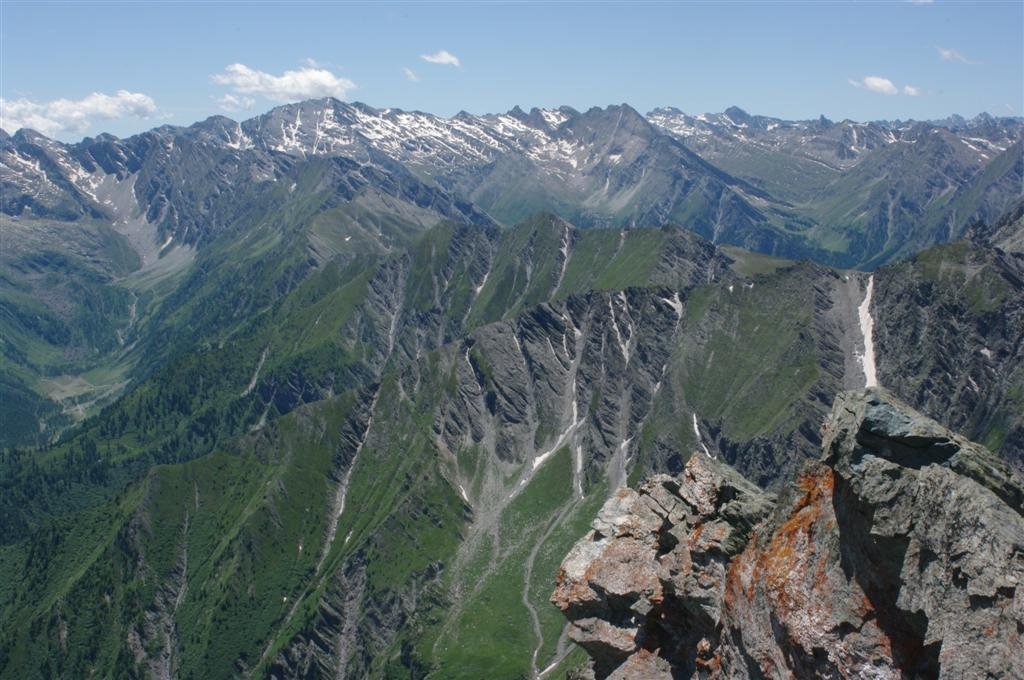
(779, 187)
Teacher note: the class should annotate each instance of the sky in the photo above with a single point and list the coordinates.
(76, 69)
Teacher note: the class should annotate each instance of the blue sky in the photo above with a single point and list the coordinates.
(82, 68)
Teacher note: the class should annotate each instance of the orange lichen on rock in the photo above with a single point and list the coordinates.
(739, 579)
(865, 609)
(569, 590)
(788, 557)
(832, 579)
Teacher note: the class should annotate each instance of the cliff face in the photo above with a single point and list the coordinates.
(896, 555)
(964, 303)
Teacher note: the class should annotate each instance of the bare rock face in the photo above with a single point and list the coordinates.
(644, 589)
(899, 555)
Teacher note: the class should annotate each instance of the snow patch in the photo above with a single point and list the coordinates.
(483, 283)
(554, 117)
(578, 469)
(676, 304)
(256, 373)
(340, 494)
(623, 447)
(867, 329)
(563, 249)
(700, 439)
(618, 334)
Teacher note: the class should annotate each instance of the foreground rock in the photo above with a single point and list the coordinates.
(900, 554)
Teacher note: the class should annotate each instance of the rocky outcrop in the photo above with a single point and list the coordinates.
(899, 554)
(644, 589)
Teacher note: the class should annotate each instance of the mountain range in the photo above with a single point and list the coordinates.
(850, 194)
(334, 390)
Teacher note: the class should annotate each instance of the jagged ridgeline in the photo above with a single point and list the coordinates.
(121, 253)
(372, 465)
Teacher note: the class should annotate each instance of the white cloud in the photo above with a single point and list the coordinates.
(411, 75)
(231, 103)
(305, 83)
(73, 115)
(911, 91)
(443, 57)
(948, 54)
(920, 2)
(876, 84)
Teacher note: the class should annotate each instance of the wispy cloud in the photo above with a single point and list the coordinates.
(875, 84)
(443, 57)
(304, 83)
(410, 75)
(948, 54)
(232, 103)
(921, 2)
(73, 115)
(911, 91)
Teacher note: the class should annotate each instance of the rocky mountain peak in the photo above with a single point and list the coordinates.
(898, 555)
(518, 112)
(738, 115)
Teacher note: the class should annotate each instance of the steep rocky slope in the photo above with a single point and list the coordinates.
(965, 302)
(1006, 233)
(164, 227)
(846, 193)
(897, 555)
(341, 458)
(874, 191)
(745, 144)
(353, 479)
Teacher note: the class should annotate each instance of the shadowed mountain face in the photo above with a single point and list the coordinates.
(291, 397)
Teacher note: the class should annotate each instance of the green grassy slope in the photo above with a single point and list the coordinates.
(194, 526)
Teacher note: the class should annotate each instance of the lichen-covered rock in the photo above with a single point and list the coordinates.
(899, 555)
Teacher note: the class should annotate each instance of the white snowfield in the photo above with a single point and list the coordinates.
(339, 127)
(330, 128)
(867, 330)
(700, 439)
